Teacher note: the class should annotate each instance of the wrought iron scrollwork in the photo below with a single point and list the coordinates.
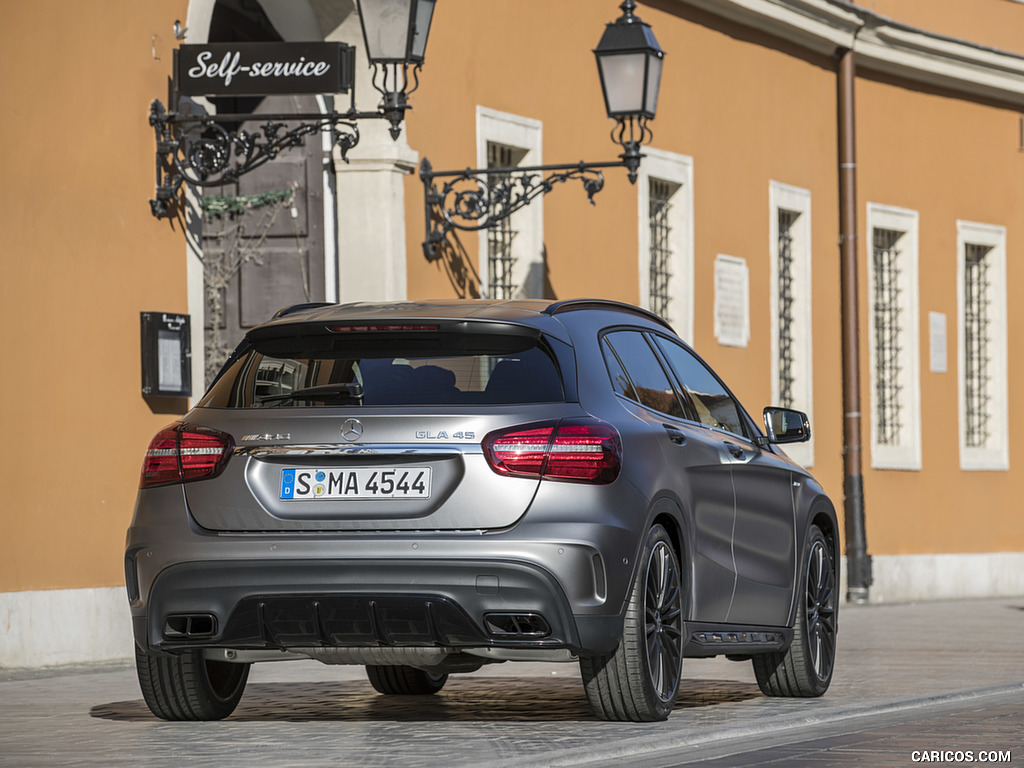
(201, 151)
(631, 133)
(476, 198)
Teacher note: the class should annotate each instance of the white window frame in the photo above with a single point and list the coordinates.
(677, 170)
(526, 135)
(783, 197)
(906, 455)
(995, 455)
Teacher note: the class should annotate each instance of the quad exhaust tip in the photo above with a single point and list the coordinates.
(191, 626)
(517, 625)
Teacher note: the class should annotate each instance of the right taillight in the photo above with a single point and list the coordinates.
(182, 452)
(581, 450)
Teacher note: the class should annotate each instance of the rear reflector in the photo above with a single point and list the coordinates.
(181, 453)
(582, 450)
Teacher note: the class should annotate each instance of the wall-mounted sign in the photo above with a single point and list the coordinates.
(732, 301)
(166, 355)
(263, 69)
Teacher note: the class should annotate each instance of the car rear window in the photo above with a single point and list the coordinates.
(393, 376)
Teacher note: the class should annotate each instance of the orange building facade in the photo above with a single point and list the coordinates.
(733, 231)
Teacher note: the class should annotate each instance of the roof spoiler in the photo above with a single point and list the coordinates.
(572, 304)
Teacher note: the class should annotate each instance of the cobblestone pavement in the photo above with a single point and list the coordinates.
(907, 676)
(982, 729)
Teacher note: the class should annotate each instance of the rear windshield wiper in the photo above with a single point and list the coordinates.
(348, 391)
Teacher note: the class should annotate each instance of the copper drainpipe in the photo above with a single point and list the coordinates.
(858, 561)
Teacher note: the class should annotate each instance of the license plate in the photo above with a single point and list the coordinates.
(361, 483)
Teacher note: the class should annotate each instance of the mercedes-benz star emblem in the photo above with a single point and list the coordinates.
(352, 430)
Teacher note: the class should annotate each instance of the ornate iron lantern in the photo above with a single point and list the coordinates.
(395, 33)
(629, 62)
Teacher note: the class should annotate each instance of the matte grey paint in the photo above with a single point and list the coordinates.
(739, 512)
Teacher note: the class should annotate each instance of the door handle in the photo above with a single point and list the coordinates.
(675, 435)
(735, 450)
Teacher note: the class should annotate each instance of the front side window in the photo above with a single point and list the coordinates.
(715, 405)
(649, 380)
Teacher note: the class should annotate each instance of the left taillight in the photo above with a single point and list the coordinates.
(180, 453)
(581, 450)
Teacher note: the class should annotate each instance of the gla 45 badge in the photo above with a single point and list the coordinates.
(426, 434)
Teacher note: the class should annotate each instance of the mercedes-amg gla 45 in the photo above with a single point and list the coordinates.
(423, 488)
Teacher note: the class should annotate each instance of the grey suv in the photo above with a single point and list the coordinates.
(425, 488)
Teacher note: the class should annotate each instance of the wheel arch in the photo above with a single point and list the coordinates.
(667, 512)
(823, 515)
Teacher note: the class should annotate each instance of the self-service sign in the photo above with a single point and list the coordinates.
(263, 69)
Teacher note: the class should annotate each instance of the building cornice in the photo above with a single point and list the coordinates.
(881, 44)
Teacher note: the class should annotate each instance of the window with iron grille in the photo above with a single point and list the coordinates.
(976, 345)
(893, 326)
(500, 258)
(789, 248)
(510, 257)
(885, 317)
(665, 237)
(659, 207)
(785, 311)
(982, 335)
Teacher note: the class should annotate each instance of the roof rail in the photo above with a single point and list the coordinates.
(300, 307)
(572, 304)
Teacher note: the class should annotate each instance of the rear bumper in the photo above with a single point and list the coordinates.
(345, 603)
(339, 589)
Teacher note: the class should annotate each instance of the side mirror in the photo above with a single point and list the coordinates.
(785, 425)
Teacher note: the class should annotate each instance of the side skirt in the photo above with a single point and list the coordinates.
(707, 640)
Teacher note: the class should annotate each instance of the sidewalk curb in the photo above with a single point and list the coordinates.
(644, 747)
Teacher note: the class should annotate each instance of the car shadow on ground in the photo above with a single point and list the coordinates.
(468, 699)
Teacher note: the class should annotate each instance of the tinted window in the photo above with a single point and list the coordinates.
(620, 381)
(649, 378)
(259, 380)
(714, 404)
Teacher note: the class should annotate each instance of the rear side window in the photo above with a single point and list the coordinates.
(435, 377)
(650, 382)
(620, 381)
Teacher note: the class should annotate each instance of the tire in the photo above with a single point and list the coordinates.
(404, 681)
(188, 687)
(805, 668)
(639, 681)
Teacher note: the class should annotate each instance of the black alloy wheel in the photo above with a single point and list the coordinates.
(820, 611)
(663, 621)
(639, 681)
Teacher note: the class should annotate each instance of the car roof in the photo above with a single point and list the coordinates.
(538, 313)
